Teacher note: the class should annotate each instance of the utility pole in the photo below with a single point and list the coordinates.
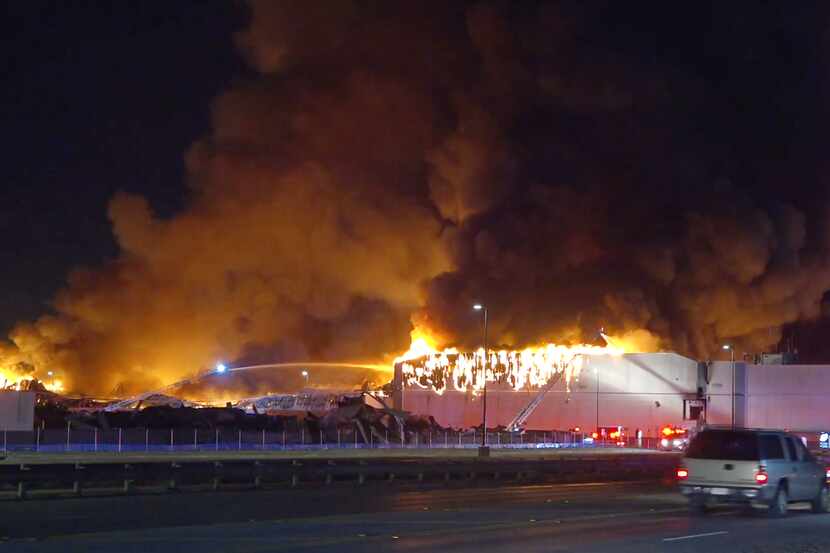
(732, 356)
(483, 450)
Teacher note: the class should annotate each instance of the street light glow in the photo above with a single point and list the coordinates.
(304, 373)
(478, 307)
(727, 347)
(220, 368)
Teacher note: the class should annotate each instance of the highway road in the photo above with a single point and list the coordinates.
(618, 518)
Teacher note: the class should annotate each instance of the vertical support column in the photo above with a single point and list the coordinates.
(119, 440)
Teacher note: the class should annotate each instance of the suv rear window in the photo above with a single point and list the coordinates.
(771, 447)
(724, 444)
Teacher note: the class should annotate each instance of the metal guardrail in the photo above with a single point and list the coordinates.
(43, 480)
(226, 439)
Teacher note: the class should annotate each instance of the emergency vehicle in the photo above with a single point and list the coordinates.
(673, 438)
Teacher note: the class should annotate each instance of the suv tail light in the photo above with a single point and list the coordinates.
(761, 476)
(827, 474)
(682, 473)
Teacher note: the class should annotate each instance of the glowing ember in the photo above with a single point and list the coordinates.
(531, 367)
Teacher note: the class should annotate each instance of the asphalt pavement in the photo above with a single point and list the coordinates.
(618, 518)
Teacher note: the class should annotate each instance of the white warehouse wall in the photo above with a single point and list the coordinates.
(17, 410)
(789, 396)
(643, 390)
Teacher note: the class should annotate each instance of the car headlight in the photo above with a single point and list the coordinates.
(664, 442)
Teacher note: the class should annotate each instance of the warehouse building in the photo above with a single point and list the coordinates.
(642, 391)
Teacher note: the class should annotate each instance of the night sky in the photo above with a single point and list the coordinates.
(97, 97)
(266, 180)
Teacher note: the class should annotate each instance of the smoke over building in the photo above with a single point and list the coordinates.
(385, 165)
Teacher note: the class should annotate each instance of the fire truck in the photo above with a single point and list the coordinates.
(673, 438)
(609, 435)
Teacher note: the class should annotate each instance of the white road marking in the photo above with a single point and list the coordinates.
(692, 536)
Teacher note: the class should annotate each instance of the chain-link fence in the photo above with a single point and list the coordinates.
(226, 439)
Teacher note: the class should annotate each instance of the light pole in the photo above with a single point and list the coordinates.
(483, 451)
(732, 355)
(305, 375)
(596, 372)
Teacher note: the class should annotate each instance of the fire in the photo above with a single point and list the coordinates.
(422, 344)
(532, 367)
(12, 380)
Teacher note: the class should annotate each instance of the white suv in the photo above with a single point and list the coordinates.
(754, 467)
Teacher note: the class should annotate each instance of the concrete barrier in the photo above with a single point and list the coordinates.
(73, 478)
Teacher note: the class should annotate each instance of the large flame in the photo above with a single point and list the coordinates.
(424, 366)
(12, 380)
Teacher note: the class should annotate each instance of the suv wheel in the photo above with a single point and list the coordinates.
(821, 503)
(778, 506)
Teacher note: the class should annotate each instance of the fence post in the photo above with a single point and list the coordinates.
(387, 437)
(321, 439)
(5, 440)
(217, 439)
(416, 439)
(430, 439)
(354, 431)
(146, 439)
(338, 438)
(371, 439)
(459, 439)
(37, 442)
(403, 435)
(119, 440)
(446, 442)
(283, 438)
(171, 439)
(195, 439)
(263, 439)
(95, 439)
(68, 426)
(302, 435)
(498, 438)
(239, 446)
